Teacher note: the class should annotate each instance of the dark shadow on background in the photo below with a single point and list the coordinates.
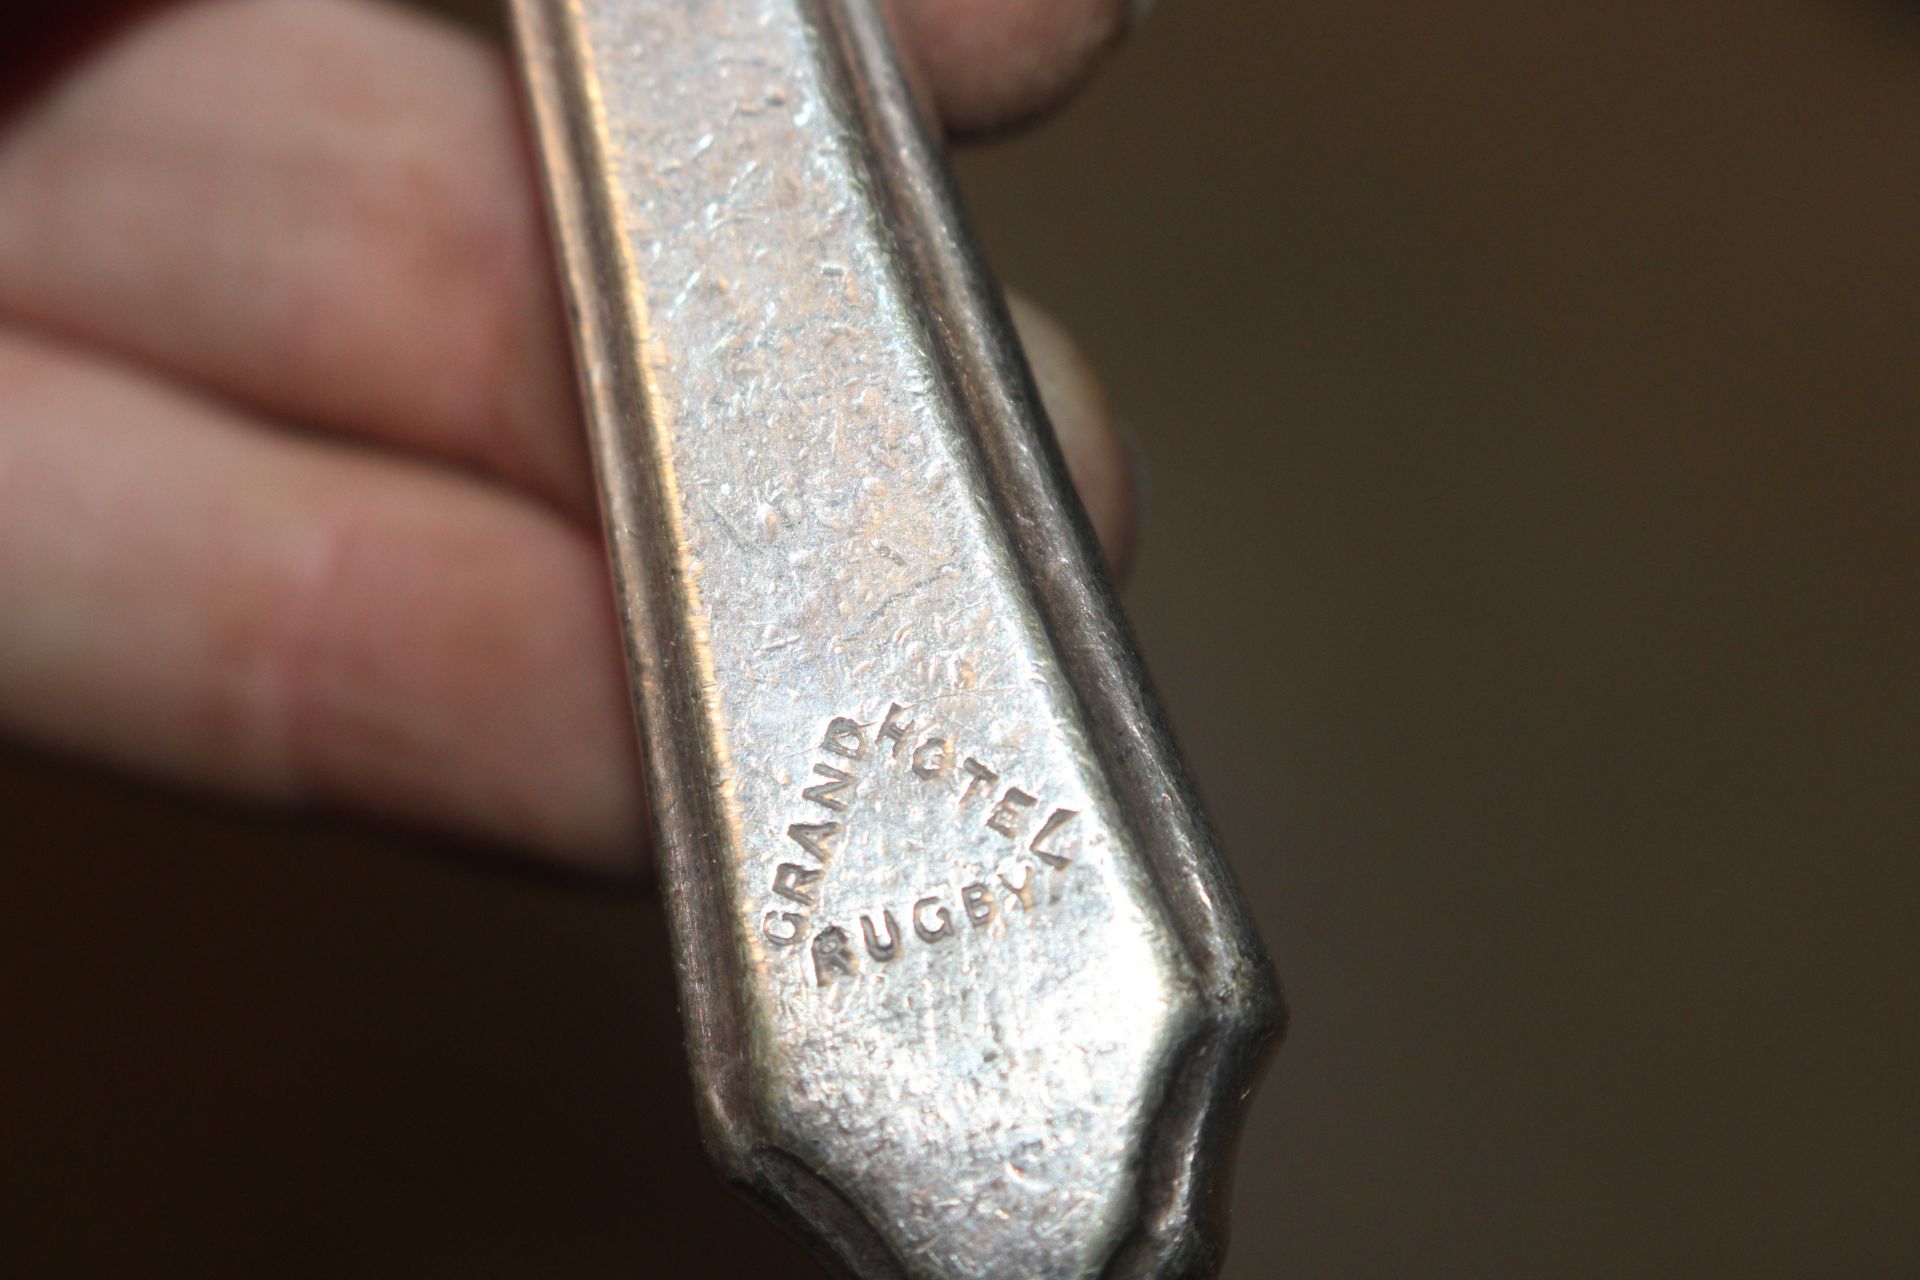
(1530, 394)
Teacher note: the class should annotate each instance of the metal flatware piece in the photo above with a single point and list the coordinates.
(968, 990)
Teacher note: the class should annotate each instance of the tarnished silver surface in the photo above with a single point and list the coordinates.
(968, 991)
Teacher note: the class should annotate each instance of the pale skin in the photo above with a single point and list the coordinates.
(295, 504)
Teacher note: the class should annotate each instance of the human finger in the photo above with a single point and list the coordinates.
(338, 227)
(297, 620)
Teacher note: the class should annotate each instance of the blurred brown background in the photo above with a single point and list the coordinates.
(1530, 395)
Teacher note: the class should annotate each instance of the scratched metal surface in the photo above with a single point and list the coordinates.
(947, 1008)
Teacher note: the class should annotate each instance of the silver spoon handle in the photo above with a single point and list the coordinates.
(969, 992)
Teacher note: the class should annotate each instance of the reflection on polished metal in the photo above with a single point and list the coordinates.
(968, 990)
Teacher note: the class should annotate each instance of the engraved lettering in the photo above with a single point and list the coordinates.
(846, 738)
(931, 758)
(1056, 820)
(790, 881)
(943, 930)
(882, 951)
(916, 742)
(893, 729)
(796, 925)
(830, 954)
(1005, 817)
(977, 900)
(983, 778)
(828, 793)
(813, 837)
(1022, 892)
